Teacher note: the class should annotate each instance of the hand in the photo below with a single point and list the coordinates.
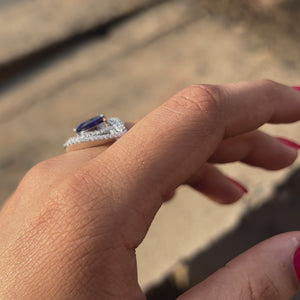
(71, 228)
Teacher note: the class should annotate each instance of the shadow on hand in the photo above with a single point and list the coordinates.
(280, 214)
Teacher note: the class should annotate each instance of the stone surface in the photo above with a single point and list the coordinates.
(140, 64)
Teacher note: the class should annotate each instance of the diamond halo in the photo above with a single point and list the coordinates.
(95, 132)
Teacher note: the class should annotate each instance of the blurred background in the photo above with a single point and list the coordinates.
(62, 62)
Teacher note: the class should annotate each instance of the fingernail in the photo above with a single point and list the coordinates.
(239, 185)
(289, 143)
(296, 88)
(297, 263)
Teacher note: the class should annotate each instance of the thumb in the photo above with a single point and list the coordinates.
(267, 271)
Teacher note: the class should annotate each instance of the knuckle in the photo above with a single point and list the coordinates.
(38, 170)
(251, 289)
(271, 87)
(263, 290)
(254, 287)
(37, 173)
(268, 82)
(200, 98)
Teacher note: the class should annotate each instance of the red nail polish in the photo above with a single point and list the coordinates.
(289, 143)
(296, 88)
(297, 263)
(239, 185)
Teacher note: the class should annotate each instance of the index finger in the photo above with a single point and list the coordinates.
(171, 143)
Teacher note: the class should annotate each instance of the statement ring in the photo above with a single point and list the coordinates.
(95, 132)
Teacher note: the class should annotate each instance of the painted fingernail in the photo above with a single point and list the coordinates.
(297, 263)
(239, 185)
(296, 88)
(289, 143)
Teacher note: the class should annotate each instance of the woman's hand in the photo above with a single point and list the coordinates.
(71, 228)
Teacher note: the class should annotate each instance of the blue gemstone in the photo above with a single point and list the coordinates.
(87, 125)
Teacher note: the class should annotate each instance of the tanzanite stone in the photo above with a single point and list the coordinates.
(87, 125)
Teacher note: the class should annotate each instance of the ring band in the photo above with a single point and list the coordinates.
(95, 132)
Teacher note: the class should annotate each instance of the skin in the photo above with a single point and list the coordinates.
(71, 228)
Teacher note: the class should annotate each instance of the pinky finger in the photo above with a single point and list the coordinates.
(211, 182)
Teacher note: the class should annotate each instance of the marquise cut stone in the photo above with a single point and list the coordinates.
(87, 125)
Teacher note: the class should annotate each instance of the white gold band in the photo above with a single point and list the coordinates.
(114, 129)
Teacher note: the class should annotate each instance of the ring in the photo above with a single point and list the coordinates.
(95, 132)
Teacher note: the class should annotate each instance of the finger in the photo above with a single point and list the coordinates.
(266, 271)
(196, 119)
(170, 144)
(257, 149)
(276, 103)
(214, 184)
(56, 168)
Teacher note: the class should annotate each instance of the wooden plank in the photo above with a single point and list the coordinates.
(26, 26)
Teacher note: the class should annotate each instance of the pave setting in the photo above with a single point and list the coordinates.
(94, 132)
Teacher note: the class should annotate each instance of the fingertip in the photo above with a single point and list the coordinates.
(235, 191)
(275, 154)
(238, 185)
(289, 143)
(297, 88)
(218, 187)
(267, 271)
(289, 153)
